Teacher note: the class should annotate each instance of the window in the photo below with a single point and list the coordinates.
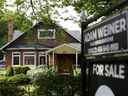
(42, 58)
(46, 34)
(16, 58)
(29, 58)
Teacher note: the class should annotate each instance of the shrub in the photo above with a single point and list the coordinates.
(2, 71)
(11, 89)
(3, 78)
(9, 71)
(41, 69)
(19, 70)
(19, 79)
(56, 85)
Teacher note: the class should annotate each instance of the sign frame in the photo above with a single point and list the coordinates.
(86, 44)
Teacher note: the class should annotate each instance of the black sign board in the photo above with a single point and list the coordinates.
(109, 79)
(109, 36)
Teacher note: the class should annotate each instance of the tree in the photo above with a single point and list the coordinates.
(20, 22)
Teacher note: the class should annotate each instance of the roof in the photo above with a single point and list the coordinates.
(29, 46)
(75, 46)
(16, 34)
(76, 34)
(15, 37)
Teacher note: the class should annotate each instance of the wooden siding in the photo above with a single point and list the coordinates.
(8, 59)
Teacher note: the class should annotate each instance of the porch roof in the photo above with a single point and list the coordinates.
(70, 48)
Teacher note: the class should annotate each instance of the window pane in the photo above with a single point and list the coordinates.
(42, 60)
(16, 60)
(29, 60)
(46, 33)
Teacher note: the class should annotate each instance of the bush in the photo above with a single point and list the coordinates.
(56, 85)
(19, 70)
(9, 71)
(11, 89)
(2, 71)
(3, 78)
(41, 69)
(20, 79)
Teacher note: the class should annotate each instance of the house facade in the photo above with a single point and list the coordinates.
(43, 45)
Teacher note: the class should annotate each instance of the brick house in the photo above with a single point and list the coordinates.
(43, 45)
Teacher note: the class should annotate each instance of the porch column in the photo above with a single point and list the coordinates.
(53, 57)
(46, 59)
(76, 59)
(49, 61)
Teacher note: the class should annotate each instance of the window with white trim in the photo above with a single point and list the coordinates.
(42, 58)
(46, 33)
(16, 58)
(29, 58)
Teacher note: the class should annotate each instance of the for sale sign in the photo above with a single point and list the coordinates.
(109, 36)
(109, 79)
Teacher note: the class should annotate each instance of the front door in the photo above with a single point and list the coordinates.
(65, 63)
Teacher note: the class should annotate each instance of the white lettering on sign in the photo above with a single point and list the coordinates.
(101, 41)
(108, 37)
(104, 48)
(114, 71)
(106, 30)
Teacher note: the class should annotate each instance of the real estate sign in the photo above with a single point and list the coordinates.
(109, 79)
(109, 36)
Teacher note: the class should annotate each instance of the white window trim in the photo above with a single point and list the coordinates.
(24, 55)
(53, 37)
(42, 54)
(13, 55)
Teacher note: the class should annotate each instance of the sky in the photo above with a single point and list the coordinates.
(70, 12)
(70, 24)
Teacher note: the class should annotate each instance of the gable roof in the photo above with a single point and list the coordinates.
(74, 34)
(75, 46)
(11, 41)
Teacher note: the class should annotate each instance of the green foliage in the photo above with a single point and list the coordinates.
(56, 85)
(9, 71)
(94, 6)
(19, 70)
(20, 79)
(3, 78)
(2, 71)
(20, 22)
(33, 74)
(10, 89)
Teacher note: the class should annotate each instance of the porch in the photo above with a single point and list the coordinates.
(65, 57)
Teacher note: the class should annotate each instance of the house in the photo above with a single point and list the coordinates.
(43, 45)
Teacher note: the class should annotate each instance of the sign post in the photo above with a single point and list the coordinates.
(83, 64)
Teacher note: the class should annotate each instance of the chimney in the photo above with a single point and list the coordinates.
(10, 28)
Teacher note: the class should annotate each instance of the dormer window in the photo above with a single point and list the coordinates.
(46, 34)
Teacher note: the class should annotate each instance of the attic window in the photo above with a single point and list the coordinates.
(46, 34)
